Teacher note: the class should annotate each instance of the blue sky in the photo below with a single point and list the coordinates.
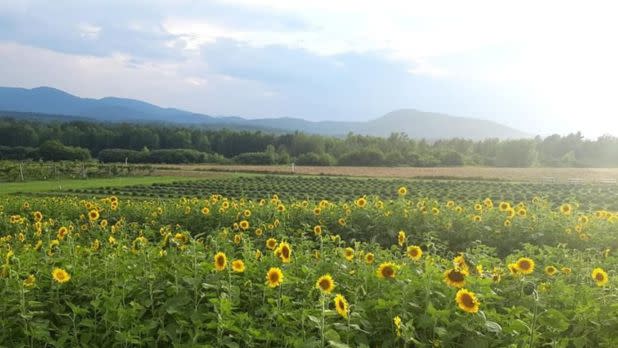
(544, 68)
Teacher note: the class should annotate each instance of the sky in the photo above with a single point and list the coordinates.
(543, 67)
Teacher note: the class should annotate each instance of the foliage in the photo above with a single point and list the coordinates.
(142, 273)
(290, 187)
(115, 142)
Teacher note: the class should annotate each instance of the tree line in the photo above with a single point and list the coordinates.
(22, 139)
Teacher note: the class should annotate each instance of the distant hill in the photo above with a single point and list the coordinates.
(417, 124)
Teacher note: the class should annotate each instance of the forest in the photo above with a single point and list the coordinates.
(23, 139)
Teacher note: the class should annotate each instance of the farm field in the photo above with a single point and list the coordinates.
(287, 187)
(392, 270)
(495, 173)
(70, 184)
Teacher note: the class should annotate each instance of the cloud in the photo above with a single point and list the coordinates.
(319, 59)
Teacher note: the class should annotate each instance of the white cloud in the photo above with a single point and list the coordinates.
(89, 31)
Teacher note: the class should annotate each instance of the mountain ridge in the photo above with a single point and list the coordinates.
(415, 123)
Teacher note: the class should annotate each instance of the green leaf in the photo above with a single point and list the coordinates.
(492, 326)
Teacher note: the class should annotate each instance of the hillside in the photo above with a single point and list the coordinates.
(417, 124)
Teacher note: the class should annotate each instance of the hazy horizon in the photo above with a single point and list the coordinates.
(540, 68)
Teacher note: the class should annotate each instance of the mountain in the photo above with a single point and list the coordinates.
(417, 124)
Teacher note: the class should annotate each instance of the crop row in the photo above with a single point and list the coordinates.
(591, 196)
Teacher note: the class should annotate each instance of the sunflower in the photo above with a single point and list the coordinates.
(477, 218)
(566, 270)
(450, 204)
(496, 277)
(205, 211)
(525, 265)
(258, 254)
(37, 216)
(361, 202)
(237, 238)
(244, 224)
(566, 209)
(402, 191)
(369, 258)
(507, 223)
(488, 203)
(551, 270)
(414, 252)
(583, 219)
(460, 263)
(317, 230)
(246, 213)
(513, 268)
(238, 266)
(504, 206)
(455, 278)
(478, 207)
(348, 253)
(387, 270)
(93, 215)
(258, 232)
(30, 281)
(599, 276)
(397, 322)
(285, 252)
(62, 232)
(274, 277)
(522, 212)
(317, 211)
(220, 261)
(281, 208)
(401, 238)
(325, 283)
(271, 243)
(467, 301)
(60, 276)
(510, 213)
(458, 209)
(341, 222)
(341, 305)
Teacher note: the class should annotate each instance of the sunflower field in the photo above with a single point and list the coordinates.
(301, 187)
(366, 272)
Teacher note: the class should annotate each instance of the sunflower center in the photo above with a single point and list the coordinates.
(599, 277)
(467, 300)
(220, 261)
(525, 265)
(274, 277)
(388, 272)
(456, 276)
(324, 284)
(341, 305)
(285, 252)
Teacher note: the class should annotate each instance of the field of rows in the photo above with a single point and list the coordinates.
(590, 196)
(533, 174)
(392, 270)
